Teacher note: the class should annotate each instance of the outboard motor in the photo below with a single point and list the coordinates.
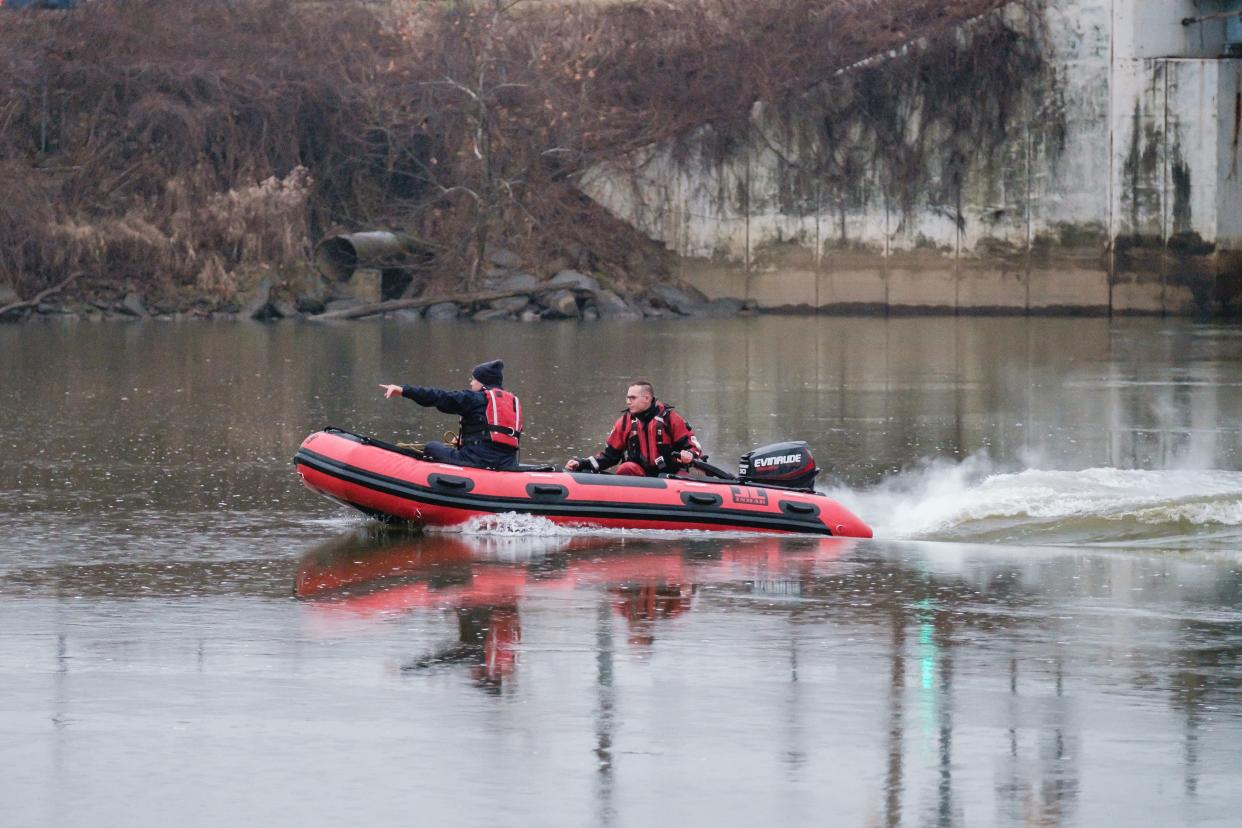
(788, 465)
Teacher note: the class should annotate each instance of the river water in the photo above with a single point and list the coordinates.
(1047, 629)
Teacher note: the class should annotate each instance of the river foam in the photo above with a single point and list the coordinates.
(974, 501)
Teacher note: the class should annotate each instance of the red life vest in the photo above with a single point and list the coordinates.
(647, 443)
(504, 417)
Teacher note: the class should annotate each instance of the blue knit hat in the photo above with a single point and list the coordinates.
(490, 373)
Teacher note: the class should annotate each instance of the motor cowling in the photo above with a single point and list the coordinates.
(789, 465)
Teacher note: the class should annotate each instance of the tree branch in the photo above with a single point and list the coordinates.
(39, 297)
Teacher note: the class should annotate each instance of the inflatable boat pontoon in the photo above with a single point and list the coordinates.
(393, 483)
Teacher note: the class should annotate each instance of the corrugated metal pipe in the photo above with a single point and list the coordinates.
(337, 257)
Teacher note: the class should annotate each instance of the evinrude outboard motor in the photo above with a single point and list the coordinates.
(788, 465)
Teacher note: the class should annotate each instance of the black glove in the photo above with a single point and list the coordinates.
(588, 465)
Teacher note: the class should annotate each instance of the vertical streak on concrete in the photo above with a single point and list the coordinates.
(884, 267)
(746, 208)
(819, 240)
(682, 182)
(1111, 241)
(1030, 195)
(959, 228)
(1237, 127)
(1164, 199)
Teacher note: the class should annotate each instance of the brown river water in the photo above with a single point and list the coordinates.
(1046, 630)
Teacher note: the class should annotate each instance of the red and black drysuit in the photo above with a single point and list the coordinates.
(646, 444)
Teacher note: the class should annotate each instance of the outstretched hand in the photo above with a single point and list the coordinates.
(391, 391)
(572, 465)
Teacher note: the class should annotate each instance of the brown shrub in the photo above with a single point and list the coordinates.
(187, 146)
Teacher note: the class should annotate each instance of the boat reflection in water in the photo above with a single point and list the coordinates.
(483, 579)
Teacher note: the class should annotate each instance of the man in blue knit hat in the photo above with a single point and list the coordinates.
(491, 419)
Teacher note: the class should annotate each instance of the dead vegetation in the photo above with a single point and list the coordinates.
(188, 149)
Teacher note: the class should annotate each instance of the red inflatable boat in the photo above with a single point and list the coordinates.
(392, 483)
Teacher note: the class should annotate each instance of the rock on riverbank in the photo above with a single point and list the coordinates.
(507, 294)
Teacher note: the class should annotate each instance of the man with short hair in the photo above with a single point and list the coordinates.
(491, 419)
(650, 438)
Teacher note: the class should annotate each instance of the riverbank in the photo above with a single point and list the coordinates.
(513, 296)
(169, 173)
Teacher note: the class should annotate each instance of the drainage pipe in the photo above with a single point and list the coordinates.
(337, 257)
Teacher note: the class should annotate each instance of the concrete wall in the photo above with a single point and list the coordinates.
(1104, 179)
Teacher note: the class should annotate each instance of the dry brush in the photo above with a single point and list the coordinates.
(189, 149)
